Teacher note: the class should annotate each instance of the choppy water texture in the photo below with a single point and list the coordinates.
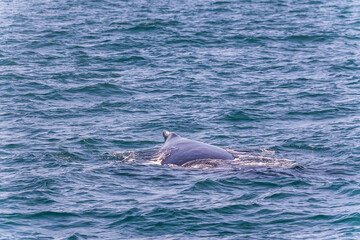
(86, 88)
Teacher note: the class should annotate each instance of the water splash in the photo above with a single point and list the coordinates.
(242, 159)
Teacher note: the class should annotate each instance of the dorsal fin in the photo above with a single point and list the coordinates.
(167, 135)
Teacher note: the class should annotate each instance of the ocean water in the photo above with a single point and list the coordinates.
(86, 88)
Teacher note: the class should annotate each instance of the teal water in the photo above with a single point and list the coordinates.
(86, 88)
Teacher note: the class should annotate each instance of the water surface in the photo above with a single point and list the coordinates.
(86, 88)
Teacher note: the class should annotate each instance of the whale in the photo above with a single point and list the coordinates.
(179, 151)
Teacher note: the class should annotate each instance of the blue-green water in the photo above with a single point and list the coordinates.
(86, 88)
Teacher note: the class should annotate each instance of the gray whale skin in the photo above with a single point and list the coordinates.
(182, 150)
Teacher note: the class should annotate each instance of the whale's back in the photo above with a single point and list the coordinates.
(182, 150)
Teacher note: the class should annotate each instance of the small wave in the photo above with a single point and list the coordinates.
(99, 89)
(351, 219)
(238, 116)
(7, 62)
(307, 38)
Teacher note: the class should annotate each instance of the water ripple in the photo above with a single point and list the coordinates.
(88, 86)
